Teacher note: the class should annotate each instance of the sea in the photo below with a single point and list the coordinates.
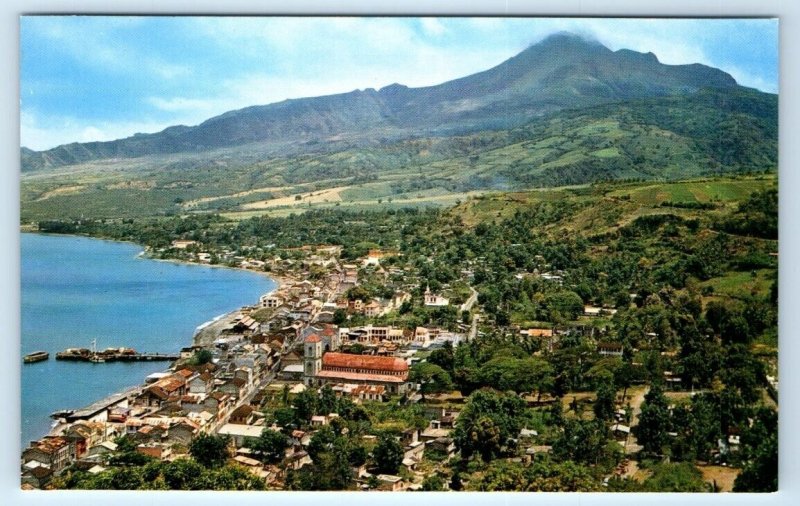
(75, 290)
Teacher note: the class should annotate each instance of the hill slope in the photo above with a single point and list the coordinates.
(563, 71)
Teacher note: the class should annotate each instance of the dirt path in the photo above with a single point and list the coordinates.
(637, 398)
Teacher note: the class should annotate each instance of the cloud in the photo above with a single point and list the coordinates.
(750, 80)
(432, 27)
(188, 69)
(99, 43)
(45, 132)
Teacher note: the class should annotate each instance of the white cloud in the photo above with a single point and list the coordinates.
(433, 27)
(41, 133)
(272, 59)
(750, 80)
(95, 47)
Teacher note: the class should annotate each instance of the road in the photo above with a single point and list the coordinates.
(631, 444)
(473, 331)
(467, 306)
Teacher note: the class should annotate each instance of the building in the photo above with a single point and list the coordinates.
(271, 301)
(609, 349)
(434, 300)
(51, 452)
(312, 358)
(389, 372)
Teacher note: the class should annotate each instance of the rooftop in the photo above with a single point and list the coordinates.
(374, 363)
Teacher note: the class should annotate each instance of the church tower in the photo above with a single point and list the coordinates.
(312, 359)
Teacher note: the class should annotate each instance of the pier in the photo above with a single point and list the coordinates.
(113, 355)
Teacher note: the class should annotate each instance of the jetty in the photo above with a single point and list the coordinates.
(112, 355)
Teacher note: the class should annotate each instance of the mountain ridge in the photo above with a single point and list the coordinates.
(563, 71)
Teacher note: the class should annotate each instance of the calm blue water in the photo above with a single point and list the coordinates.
(76, 289)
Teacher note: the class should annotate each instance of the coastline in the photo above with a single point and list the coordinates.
(279, 281)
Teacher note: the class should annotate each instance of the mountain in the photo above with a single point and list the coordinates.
(564, 71)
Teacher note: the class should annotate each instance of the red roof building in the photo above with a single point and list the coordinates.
(390, 372)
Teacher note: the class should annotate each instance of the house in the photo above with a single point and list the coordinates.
(201, 384)
(434, 431)
(375, 393)
(188, 351)
(270, 300)
(292, 372)
(242, 415)
(104, 448)
(532, 451)
(171, 387)
(390, 482)
(239, 434)
(300, 439)
(182, 243)
(217, 403)
(373, 309)
(82, 435)
(234, 387)
(673, 381)
(155, 450)
(443, 446)
(37, 477)
(620, 432)
(182, 432)
(296, 460)
(434, 300)
(608, 349)
(53, 452)
(150, 433)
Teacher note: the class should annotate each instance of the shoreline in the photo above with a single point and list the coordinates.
(279, 281)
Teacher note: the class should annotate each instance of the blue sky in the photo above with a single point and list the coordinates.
(101, 78)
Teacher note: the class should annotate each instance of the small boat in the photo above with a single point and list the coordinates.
(36, 356)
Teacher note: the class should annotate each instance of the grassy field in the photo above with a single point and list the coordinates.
(734, 284)
(700, 191)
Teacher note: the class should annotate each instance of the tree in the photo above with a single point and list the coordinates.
(675, 477)
(624, 376)
(339, 316)
(586, 441)
(285, 418)
(181, 473)
(488, 423)
(200, 357)
(604, 403)
(760, 454)
(443, 357)
(305, 406)
(742, 371)
(388, 454)
(654, 422)
(327, 401)
(432, 378)
(433, 483)
(210, 450)
(565, 305)
(269, 446)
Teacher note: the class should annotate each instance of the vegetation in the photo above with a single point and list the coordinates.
(689, 293)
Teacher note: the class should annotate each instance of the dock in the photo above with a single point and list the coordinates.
(113, 355)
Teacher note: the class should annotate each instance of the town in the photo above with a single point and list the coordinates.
(239, 364)
(344, 377)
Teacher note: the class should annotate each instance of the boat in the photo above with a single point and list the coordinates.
(36, 356)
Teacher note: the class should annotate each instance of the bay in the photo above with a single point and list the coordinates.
(76, 289)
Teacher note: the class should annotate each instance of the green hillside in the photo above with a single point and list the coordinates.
(710, 133)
